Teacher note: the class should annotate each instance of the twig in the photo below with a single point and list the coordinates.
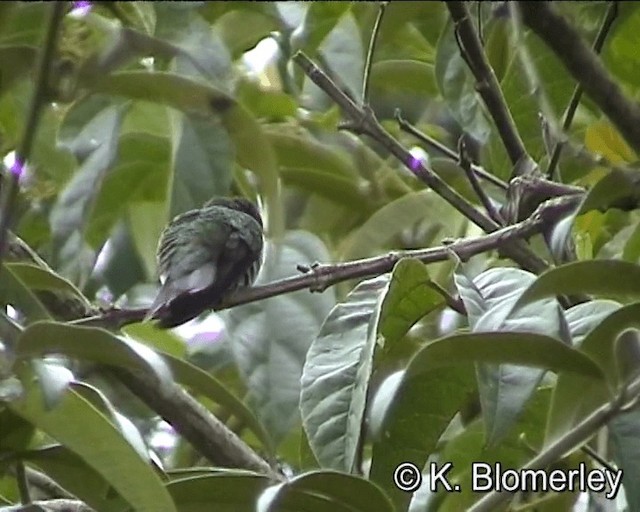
(585, 66)
(465, 163)
(487, 83)
(320, 277)
(449, 153)
(607, 23)
(11, 185)
(365, 122)
(560, 447)
(372, 47)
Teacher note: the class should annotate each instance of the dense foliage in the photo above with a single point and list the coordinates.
(451, 267)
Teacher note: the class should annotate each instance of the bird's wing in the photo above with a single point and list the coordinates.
(199, 258)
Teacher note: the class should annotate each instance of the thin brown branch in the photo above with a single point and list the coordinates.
(195, 423)
(23, 153)
(372, 48)
(406, 126)
(487, 83)
(465, 162)
(364, 122)
(321, 276)
(586, 67)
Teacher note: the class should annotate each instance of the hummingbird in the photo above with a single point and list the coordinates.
(203, 256)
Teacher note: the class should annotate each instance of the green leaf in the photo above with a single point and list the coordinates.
(202, 163)
(24, 24)
(230, 492)
(409, 414)
(525, 349)
(146, 222)
(619, 52)
(575, 397)
(165, 341)
(457, 86)
(255, 152)
(410, 297)
(336, 374)
(606, 277)
(40, 278)
(141, 174)
(624, 435)
(269, 339)
(489, 298)
(394, 217)
(82, 429)
(15, 62)
(325, 491)
(91, 344)
(171, 89)
(406, 76)
(76, 476)
(15, 292)
(582, 318)
(614, 189)
(242, 29)
(70, 214)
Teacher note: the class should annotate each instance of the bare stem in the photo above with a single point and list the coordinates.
(487, 83)
(372, 48)
(10, 186)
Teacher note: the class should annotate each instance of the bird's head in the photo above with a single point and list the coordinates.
(237, 203)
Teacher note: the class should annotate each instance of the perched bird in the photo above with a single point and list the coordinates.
(203, 256)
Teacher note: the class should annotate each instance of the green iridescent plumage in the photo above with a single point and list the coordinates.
(203, 256)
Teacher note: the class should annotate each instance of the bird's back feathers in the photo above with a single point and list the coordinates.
(203, 256)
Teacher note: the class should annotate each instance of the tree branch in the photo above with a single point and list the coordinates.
(10, 186)
(365, 122)
(406, 126)
(585, 66)
(487, 83)
(321, 276)
(195, 423)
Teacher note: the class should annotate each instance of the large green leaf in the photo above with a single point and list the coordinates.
(410, 414)
(98, 140)
(394, 217)
(15, 291)
(269, 339)
(202, 162)
(489, 299)
(576, 396)
(91, 344)
(76, 476)
(81, 428)
(411, 296)
(336, 374)
(605, 277)
(229, 492)
(141, 174)
(457, 87)
(325, 491)
(624, 435)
